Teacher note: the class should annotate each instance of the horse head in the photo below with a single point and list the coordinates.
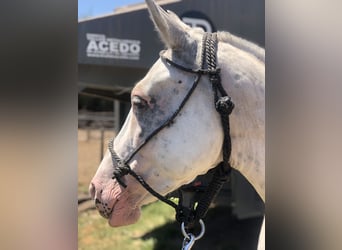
(170, 137)
(190, 145)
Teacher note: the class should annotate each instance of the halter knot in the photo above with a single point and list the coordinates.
(222, 172)
(224, 105)
(120, 171)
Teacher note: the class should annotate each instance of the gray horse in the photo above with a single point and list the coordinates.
(192, 144)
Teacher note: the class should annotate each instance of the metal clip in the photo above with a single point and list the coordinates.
(189, 239)
(188, 242)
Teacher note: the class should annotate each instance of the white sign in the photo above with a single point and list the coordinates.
(106, 47)
(198, 22)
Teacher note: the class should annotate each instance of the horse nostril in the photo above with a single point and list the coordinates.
(92, 190)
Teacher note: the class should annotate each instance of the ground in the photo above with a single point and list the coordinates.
(156, 229)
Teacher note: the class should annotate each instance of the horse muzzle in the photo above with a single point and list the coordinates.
(104, 208)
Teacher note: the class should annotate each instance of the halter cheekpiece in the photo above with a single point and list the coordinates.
(185, 214)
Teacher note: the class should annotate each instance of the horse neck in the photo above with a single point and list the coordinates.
(243, 77)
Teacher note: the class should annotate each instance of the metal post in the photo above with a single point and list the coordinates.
(102, 141)
(116, 104)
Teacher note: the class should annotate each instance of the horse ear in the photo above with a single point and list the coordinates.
(171, 29)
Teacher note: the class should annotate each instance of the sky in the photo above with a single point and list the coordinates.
(90, 8)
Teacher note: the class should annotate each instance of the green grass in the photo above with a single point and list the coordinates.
(94, 233)
(158, 230)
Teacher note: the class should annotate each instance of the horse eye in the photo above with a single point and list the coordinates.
(138, 102)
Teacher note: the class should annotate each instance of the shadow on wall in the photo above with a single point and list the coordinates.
(223, 231)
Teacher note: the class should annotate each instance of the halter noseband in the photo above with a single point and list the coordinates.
(223, 105)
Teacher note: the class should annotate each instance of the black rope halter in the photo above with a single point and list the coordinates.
(224, 107)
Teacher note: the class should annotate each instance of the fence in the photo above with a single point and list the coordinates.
(99, 121)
